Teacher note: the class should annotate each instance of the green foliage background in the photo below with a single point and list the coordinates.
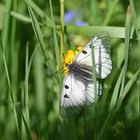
(33, 40)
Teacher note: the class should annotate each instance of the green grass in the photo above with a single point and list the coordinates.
(33, 41)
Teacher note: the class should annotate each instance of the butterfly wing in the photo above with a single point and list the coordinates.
(103, 63)
(72, 96)
(75, 94)
(90, 92)
(76, 90)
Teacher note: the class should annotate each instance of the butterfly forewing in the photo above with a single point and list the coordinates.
(101, 44)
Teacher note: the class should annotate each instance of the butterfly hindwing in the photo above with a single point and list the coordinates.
(90, 95)
(75, 94)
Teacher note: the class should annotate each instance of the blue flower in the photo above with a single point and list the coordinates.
(73, 17)
(68, 17)
(80, 23)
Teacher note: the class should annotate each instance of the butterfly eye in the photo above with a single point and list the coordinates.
(66, 87)
(84, 52)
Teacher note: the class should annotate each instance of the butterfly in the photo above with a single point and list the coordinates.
(78, 87)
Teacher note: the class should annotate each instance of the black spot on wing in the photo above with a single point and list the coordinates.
(84, 52)
(66, 96)
(66, 87)
(72, 102)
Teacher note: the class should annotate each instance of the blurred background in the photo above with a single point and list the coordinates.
(34, 36)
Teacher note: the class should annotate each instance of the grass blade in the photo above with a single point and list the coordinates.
(10, 87)
(57, 52)
(127, 45)
(115, 93)
(127, 88)
(36, 28)
(117, 32)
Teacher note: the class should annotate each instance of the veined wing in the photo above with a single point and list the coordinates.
(76, 94)
(73, 95)
(101, 44)
(90, 92)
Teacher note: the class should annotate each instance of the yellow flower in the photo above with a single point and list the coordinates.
(78, 49)
(68, 58)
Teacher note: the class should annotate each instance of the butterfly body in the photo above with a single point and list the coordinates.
(81, 72)
(78, 87)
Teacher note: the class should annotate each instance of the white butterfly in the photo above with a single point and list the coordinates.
(78, 88)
